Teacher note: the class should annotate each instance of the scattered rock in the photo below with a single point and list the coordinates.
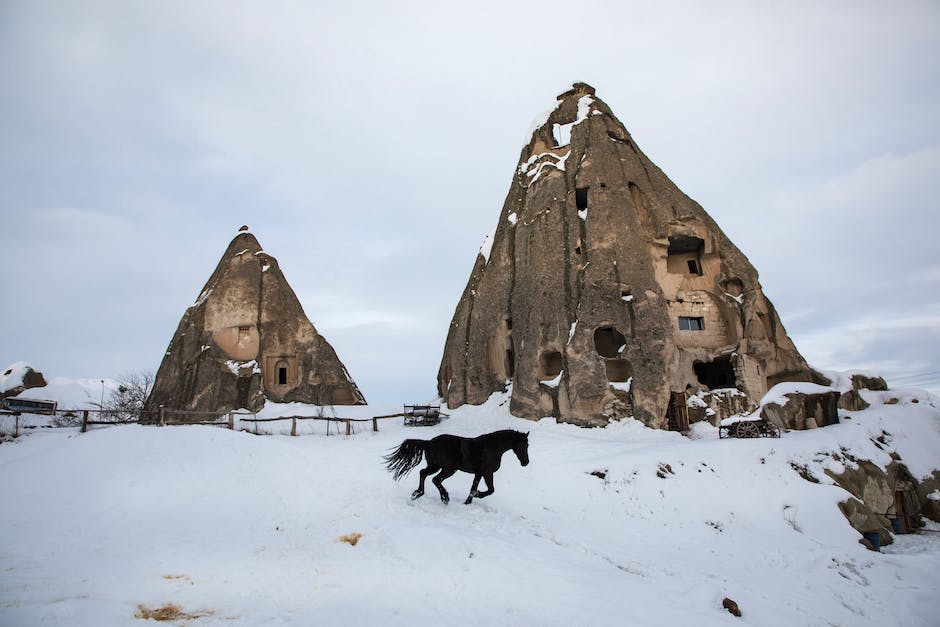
(169, 612)
(351, 539)
(863, 382)
(731, 606)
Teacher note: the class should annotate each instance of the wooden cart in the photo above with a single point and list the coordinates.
(422, 415)
(749, 428)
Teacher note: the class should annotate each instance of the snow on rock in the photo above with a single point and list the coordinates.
(12, 376)
(553, 383)
(562, 134)
(235, 366)
(487, 246)
(536, 164)
(584, 108)
(778, 393)
(73, 393)
(623, 386)
(202, 297)
(619, 525)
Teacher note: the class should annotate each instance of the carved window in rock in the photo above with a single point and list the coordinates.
(282, 369)
(550, 364)
(510, 363)
(581, 198)
(684, 255)
(618, 370)
(608, 341)
(715, 374)
(691, 323)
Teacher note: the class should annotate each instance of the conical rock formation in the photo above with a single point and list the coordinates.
(247, 339)
(605, 291)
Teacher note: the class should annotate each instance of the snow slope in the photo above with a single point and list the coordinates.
(246, 528)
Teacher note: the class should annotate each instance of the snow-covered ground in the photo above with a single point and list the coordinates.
(245, 529)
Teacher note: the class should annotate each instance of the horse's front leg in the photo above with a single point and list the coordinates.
(424, 474)
(473, 488)
(488, 477)
(439, 482)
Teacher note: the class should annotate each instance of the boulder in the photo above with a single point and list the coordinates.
(19, 377)
(804, 411)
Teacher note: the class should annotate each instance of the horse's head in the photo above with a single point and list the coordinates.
(521, 448)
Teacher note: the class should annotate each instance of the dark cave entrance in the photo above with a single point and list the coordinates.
(715, 374)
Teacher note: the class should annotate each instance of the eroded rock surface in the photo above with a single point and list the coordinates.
(605, 291)
(247, 339)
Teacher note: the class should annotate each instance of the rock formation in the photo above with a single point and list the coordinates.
(247, 339)
(605, 291)
(18, 378)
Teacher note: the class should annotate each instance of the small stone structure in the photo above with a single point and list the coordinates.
(247, 339)
(605, 292)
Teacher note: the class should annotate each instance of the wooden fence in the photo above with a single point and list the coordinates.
(90, 417)
(328, 419)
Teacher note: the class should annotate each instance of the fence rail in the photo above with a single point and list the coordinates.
(83, 418)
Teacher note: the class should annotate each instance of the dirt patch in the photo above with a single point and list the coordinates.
(351, 539)
(168, 612)
(180, 578)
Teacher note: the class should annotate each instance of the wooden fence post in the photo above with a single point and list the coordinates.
(16, 425)
(162, 417)
(231, 421)
(375, 425)
(293, 425)
(348, 427)
(84, 421)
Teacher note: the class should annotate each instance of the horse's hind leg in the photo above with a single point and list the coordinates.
(439, 482)
(473, 489)
(429, 470)
(488, 477)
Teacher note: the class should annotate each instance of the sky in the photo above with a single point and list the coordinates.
(370, 146)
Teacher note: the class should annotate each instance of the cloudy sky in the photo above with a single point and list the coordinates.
(369, 145)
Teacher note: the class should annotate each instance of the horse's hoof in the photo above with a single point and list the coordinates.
(416, 494)
(445, 499)
(468, 501)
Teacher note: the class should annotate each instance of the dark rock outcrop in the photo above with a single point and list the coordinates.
(18, 378)
(247, 339)
(605, 291)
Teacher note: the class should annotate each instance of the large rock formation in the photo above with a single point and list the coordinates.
(247, 339)
(605, 291)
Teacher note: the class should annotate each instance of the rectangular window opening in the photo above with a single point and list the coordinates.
(687, 323)
(581, 198)
(694, 267)
(282, 376)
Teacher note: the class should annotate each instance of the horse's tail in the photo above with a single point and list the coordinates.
(405, 458)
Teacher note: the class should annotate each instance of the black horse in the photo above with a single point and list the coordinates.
(480, 456)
